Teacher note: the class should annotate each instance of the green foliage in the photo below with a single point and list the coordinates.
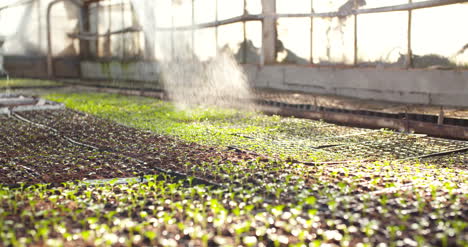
(268, 201)
(208, 126)
(164, 210)
(20, 82)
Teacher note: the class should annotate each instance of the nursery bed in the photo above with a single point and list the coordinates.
(296, 182)
(104, 149)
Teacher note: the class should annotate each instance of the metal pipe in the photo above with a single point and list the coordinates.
(50, 69)
(172, 30)
(2, 70)
(192, 31)
(312, 32)
(400, 7)
(355, 62)
(409, 55)
(108, 46)
(216, 28)
(214, 24)
(94, 36)
(122, 15)
(249, 17)
(244, 27)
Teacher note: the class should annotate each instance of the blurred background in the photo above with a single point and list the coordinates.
(106, 40)
(438, 34)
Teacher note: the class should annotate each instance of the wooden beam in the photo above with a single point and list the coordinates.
(269, 35)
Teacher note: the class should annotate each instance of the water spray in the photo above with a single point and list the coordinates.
(187, 78)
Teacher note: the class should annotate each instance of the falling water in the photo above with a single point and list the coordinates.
(188, 80)
(2, 70)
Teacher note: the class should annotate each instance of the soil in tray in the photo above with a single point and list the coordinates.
(32, 154)
(45, 156)
(272, 202)
(176, 212)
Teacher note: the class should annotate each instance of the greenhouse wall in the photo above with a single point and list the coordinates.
(24, 24)
(403, 56)
(428, 87)
(392, 56)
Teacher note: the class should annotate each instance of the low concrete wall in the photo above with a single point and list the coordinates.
(131, 71)
(36, 66)
(26, 66)
(67, 67)
(429, 87)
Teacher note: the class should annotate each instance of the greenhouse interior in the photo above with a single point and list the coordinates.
(234, 123)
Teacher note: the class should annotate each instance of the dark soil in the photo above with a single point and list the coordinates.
(64, 145)
(34, 154)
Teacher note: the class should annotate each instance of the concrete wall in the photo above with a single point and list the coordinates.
(131, 71)
(433, 87)
(430, 87)
(36, 66)
(26, 66)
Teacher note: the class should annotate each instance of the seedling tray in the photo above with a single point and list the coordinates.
(10, 103)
